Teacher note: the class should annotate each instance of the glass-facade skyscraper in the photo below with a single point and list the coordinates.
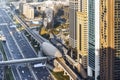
(104, 39)
(93, 38)
(91, 29)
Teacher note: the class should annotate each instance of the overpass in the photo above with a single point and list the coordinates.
(37, 37)
(27, 60)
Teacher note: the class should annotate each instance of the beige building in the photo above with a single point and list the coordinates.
(78, 30)
(28, 11)
(82, 37)
(110, 40)
(74, 7)
(82, 33)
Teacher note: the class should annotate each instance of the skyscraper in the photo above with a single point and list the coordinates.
(110, 40)
(82, 33)
(78, 29)
(93, 38)
(72, 19)
(75, 5)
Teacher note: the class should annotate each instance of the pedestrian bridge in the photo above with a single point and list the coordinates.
(27, 60)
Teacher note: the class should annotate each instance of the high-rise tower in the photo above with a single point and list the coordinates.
(79, 29)
(93, 38)
(72, 19)
(82, 33)
(75, 5)
(110, 39)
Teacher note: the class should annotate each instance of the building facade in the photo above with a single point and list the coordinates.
(82, 33)
(93, 38)
(82, 37)
(110, 39)
(28, 11)
(72, 19)
(78, 29)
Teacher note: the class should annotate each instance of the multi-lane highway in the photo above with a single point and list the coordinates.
(17, 47)
(13, 49)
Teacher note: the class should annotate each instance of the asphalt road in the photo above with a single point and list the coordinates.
(12, 50)
(42, 73)
(17, 47)
(24, 45)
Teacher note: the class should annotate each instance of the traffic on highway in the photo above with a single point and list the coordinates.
(17, 47)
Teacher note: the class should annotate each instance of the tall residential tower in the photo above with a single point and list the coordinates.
(82, 33)
(72, 19)
(79, 29)
(110, 40)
